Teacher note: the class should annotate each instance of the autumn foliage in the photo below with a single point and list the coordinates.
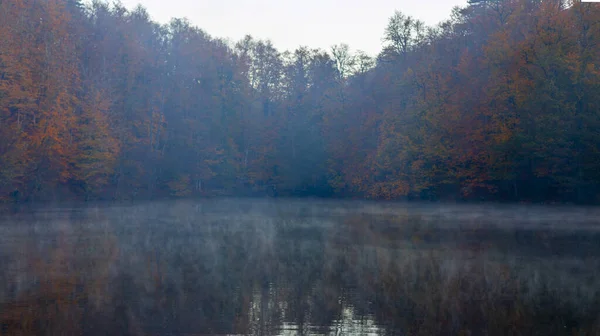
(499, 102)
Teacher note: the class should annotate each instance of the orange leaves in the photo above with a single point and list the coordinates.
(502, 91)
(40, 91)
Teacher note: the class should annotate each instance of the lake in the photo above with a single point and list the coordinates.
(300, 267)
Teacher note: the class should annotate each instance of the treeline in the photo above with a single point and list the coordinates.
(501, 101)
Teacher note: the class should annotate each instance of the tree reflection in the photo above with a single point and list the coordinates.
(179, 271)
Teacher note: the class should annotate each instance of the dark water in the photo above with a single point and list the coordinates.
(301, 267)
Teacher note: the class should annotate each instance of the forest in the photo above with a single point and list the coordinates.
(499, 102)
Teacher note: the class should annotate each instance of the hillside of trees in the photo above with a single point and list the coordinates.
(499, 102)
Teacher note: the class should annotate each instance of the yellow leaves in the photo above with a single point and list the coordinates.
(336, 181)
(96, 147)
(181, 186)
(389, 190)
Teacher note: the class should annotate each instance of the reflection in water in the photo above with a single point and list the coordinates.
(299, 268)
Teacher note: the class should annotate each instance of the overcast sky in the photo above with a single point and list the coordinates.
(289, 24)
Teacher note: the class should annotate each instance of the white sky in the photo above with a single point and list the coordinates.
(289, 24)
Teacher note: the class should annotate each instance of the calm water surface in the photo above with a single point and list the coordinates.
(300, 267)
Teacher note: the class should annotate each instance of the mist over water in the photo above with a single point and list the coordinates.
(300, 267)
